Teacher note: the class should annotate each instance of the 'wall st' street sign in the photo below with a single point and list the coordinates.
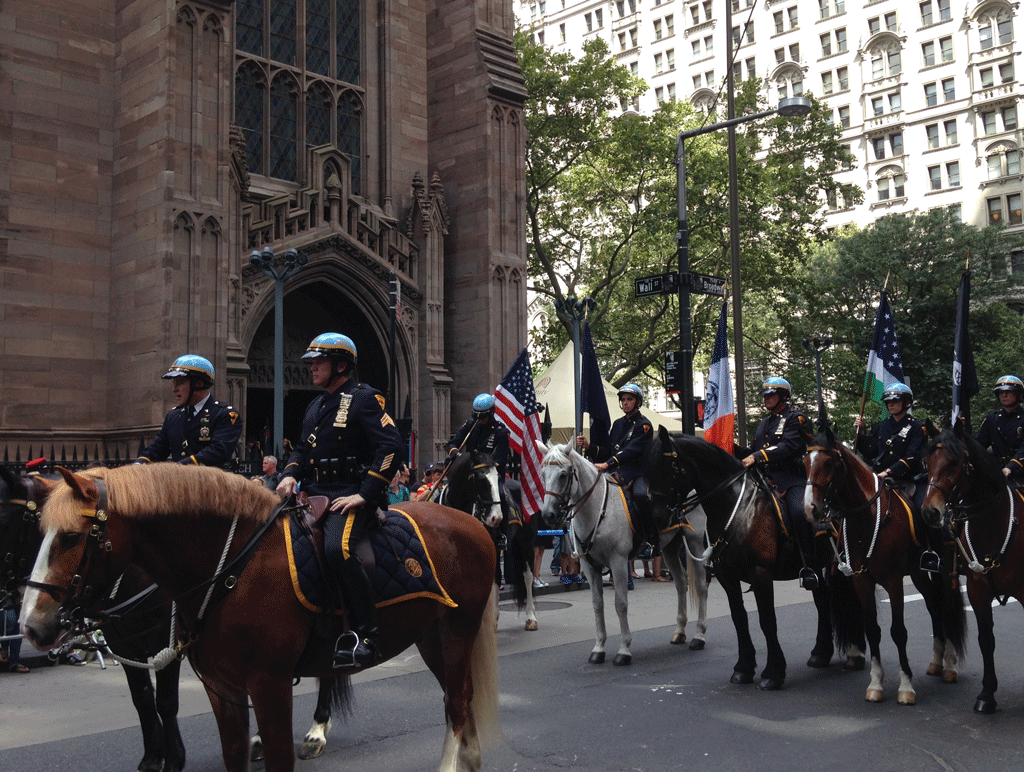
(660, 284)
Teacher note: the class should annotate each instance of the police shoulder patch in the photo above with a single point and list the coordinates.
(232, 414)
(647, 428)
(380, 400)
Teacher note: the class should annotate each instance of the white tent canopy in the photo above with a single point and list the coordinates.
(555, 389)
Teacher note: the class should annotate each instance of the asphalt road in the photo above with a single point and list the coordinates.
(672, 709)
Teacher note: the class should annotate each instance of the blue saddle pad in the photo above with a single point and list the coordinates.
(403, 568)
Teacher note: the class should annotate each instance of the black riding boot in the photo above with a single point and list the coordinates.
(358, 647)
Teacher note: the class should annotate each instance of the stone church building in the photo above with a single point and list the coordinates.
(147, 147)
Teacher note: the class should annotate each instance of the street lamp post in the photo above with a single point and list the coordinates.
(790, 107)
(293, 261)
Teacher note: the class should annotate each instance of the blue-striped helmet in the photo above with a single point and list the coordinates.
(483, 405)
(634, 391)
(192, 366)
(776, 385)
(898, 391)
(331, 344)
(1009, 383)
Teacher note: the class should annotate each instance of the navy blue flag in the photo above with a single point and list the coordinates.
(592, 399)
(965, 377)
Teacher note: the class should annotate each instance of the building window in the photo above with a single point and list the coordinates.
(891, 186)
(1013, 210)
(780, 55)
(946, 47)
(844, 116)
(670, 59)
(1006, 72)
(878, 106)
(949, 127)
(895, 103)
(778, 17)
(657, 29)
(751, 69)
(932, 134)
(1009, 118)
(671, 92)
(1005, 30)
(588, 19)
(709, 45)
(791, 12)
(931, 95)
(709, 78)
(928, 53)
(634, 69)
(826, 83)
(988, 122)
(670, 25)
(694, 15)
(632, 36)
(561, 34)
(878, 144)
(890, 21)
(826, 44)
(708, 10)
(948, 90)
(794, 52)
(935, 177)
(659, 94)
(659, 64)
(928, 9)
(622, 40)
(843, 78)
(830, 8)
(953, 174)
(1012, 162)
(841, 40)
(695, 49)
(985, 77)
(847, 157)
(995, 211)
(874, 26)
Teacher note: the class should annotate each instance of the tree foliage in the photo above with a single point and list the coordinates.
(601, 203)
(923, 255)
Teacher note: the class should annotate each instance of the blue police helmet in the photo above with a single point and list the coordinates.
(776, 385)
(634, 391)
(192, 366)
(1009, 383)
(332, 344)
(895, 391)
(482, 405)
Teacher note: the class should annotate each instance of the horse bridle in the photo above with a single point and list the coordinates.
(833, 511)
(79, 593)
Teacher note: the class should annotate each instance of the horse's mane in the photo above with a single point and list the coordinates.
(558, 454)
(707, 455)
(959, 447)
(152, 490)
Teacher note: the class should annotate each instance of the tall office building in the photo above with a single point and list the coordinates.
(926, 93)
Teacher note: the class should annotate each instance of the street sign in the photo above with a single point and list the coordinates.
(672, 374)
(707, 285)
(661, 284)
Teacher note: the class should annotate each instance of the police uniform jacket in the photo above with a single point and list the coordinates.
(896, 447)
(206, 439)
(781, 441)
(348, 445)
(491, 439)
(628, 439)
(1003, 432)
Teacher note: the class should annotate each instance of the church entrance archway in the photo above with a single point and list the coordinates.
(308, 311)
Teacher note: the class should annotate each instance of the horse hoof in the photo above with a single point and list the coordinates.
(151, 765)
(818, 661)
(697, 644)
(934, 669)
(874, 695)
(623, 659)
(985, 707)
(531, 625)
(906, 698)
(256, 751)
(678, 638)
(311, 749)
(950, 677)
(596, 658)
(854, 663)
(741, 678)
(769, 684)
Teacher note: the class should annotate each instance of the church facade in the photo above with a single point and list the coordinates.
(149, 147)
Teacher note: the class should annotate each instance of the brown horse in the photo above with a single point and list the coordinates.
(879, 544)
(968, 495)
(247, 630)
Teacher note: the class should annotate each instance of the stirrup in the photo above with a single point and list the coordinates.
(350, 651)
(808, 579)
(930, 561)
(646, 552)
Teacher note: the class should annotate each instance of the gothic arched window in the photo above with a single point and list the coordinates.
(283, 106)
(249, 98)
(318, 115)
(349, 132)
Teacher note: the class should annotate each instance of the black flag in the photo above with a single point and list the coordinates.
(965, 377)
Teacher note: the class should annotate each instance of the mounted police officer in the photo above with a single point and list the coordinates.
(628, 440)
(1003, 430)
(482, 432)
(349, 450)
(780, 443)
(896, 445)
(200, 430)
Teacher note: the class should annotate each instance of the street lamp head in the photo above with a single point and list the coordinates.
(254, 259)
(794, 107)
(268, 255)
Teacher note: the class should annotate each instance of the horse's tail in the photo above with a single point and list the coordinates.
(845, 613)
(484, 673)
(517, 564)
(341, 696)
(954, 617)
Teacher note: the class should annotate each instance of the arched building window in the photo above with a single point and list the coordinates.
(282, 44)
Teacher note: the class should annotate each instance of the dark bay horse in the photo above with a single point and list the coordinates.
(749, 543)
(969, 496)
(246, 629)
(879, 544)
(473, 487)
(135, 632)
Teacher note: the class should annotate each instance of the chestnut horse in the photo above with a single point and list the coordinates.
(969, 497)
(749, 543)
(214, 541)
(880, 543)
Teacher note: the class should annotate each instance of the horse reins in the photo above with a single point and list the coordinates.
(583, 546)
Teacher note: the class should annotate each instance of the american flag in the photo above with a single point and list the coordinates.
(515, 405)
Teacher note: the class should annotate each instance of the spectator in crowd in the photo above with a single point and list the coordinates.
(398, 491)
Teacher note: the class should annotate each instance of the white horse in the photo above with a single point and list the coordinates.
(601, 533)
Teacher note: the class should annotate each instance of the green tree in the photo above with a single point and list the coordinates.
(923, 255)
(601, 203)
